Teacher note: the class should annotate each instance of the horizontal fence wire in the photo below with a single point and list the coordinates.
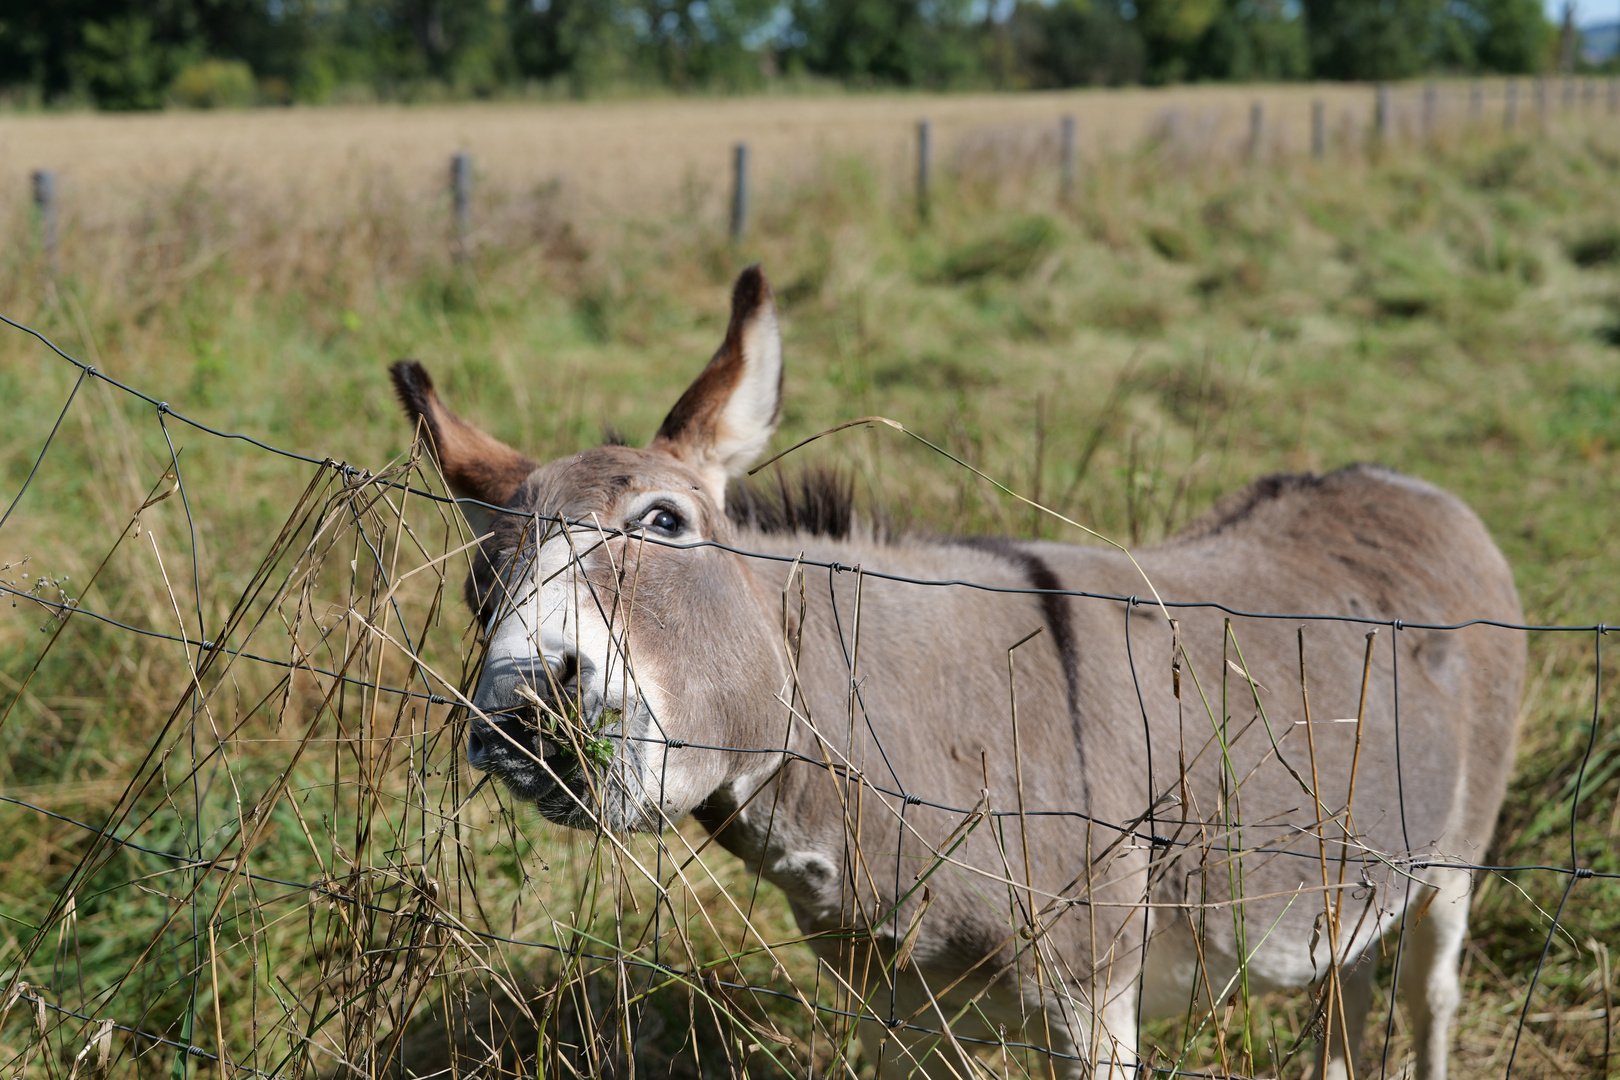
(425, 914)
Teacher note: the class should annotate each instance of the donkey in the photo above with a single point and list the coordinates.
(1034, 807)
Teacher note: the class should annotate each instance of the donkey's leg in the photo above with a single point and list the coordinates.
(1356, 983)
(1086, 1044)
(1113, 1040)
(1429, 968)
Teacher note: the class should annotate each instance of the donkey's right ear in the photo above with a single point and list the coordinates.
(475, 465)
(721, 424)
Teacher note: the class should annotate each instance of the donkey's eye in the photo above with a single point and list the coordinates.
(664, 520)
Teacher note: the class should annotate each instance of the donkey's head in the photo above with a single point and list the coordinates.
(614, 634)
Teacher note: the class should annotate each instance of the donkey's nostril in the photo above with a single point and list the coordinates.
(563, 668)
(475, 747)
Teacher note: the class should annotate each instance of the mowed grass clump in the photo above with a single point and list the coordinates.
(1173, 329)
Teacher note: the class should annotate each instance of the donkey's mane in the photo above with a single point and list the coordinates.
(816, 501)
(1233, 510)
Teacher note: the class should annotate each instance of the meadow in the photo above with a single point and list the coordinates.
(1188, 317)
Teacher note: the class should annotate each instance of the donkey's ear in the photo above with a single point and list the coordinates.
(475, 465)
(723, 421)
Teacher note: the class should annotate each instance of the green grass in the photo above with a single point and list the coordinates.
(1169, 334)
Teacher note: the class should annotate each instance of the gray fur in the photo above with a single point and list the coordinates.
(756, 655)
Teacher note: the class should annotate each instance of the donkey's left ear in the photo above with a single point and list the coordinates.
(721, 424)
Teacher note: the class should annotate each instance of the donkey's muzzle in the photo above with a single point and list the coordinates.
(504, 743)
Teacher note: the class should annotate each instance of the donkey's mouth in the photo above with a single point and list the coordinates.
(582, 774)
(547, 753)
(492, 745)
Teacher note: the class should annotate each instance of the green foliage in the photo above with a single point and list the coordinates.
(1008, 252)
(214, 84)
(1096, 42)
(903, 42)
(1510, 36)
(125, 53)
(1396, 39)
(1254, 40)
(1078, 43)
(123, 67)
(1596, 247)
(1390, 39)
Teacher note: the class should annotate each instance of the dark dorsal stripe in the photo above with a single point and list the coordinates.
(1055, 610)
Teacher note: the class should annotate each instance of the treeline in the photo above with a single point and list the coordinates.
(140, 54)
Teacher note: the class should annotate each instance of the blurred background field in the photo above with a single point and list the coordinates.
(610, 158)
(1188, 317)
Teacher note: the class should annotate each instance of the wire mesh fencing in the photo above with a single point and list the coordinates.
(292, 872)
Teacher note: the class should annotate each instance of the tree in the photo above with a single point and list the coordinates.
(1253, 41)
(576, 40)
(1076, 43)
(1171, 30)
(124, 66)
(1392, 39)
(124, 53)
(905, 42)
(1509, 36)
(703, 42)
(1373, 39)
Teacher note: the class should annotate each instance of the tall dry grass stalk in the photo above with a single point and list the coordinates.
(267, 848)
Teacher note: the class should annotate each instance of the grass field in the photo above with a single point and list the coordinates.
(1185, 322)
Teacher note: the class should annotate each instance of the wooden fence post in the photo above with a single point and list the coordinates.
(1381, 117)
(739, 192)
(1430, 103)
(1067, 152)
(1318, 129)
(1614, 95)
(1476, 102)
(45, 206)
(1541, 104)
(461, 180)
(923, 164)
(1257, 129)
(1510, 106)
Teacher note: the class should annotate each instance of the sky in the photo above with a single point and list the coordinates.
(1587, 12)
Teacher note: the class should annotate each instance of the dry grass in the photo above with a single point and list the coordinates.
(650, 157)
(1186, 322)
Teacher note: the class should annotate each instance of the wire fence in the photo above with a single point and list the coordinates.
(295, 876)
(934, 160)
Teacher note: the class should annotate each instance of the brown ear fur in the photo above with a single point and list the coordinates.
(475, 465)
(722, 421)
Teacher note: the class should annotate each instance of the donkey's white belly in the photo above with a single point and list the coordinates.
(1172, 980)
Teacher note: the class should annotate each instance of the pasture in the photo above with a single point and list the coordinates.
(1189, 318)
